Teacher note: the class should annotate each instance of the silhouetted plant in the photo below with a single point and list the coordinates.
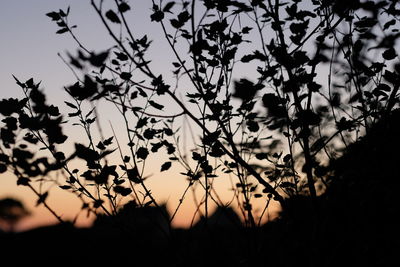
(324, 72)
(11, 212)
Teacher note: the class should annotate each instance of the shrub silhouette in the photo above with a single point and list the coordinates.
(357, 218)
(11, 212)
(222, 217)
(325, 74)
(145, 223)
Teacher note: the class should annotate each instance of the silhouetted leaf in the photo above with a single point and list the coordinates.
(287, 158)
(62, 13)
(142, 93)
(300, 58)
(211, 138)
(314, 87)
(252, 126)
(53, 110)
(142, 153)
(168, 7)
(160, 86)
(142, 122)
(246, 29)
(70, 105)
(196, 156)
(389, 23)
(30, 84)
(88, 89)
(274, 105)
(4, 158)
(54, 15)
(11, 123)
(106, 153)
(149, 133)
(125, 76)
(183, 17)
(134, 95)
(23, 181)
(166, 166)
(124, 191)
(168, 131)
(42, 198)
(121, 56)
(118, 181)
(59, 156)
(383, 87)
(287, 184)
(65, 187)
(176, 24)
(105, 173)
(156, 105)
(308, 117)
(62, 30)
(10, 106)
(176, 64)
(100, 146)
(3, 168)
(262, 156)
(156, 146)
(389, 54)
(216, 151)
(344, 124)
(170, 147)
(53, 131)
(207, 168)
(112, 16)
(61, 23)
(246, 90)
(123, 7)
(365, 22)
(157, 16)
(108, 141)
(87, 154)
(228, 56)
(133, 175)
(126, 159)
(390, 76)
(74, 114)
(97, 203)
(98, 60)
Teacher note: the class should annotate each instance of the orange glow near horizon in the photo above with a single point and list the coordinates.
(167, 187)
(68, 206)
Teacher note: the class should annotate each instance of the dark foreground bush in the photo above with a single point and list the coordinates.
(356, 224)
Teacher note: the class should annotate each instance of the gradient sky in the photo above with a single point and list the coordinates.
(29, 48)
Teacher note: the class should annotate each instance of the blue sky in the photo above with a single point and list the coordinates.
(29, 46)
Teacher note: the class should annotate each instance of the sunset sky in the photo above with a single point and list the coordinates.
(29, 48)
(190, 132)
